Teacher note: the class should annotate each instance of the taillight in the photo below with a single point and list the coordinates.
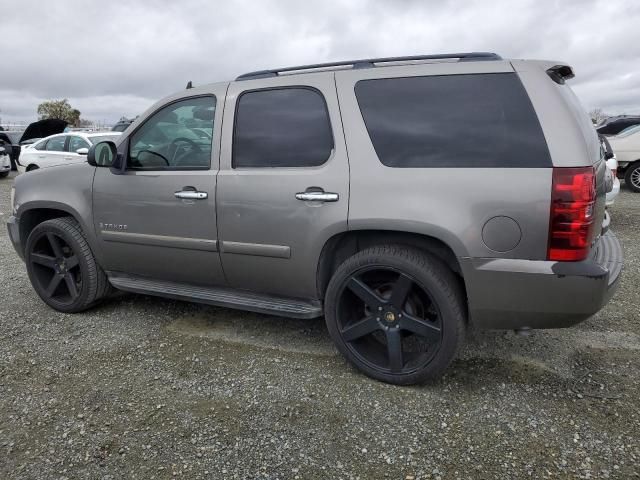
(571, 222)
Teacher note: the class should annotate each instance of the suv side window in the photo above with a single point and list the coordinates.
(56, 144)
(480, 120)
(178, 136)
(77, 142)
(282, 127)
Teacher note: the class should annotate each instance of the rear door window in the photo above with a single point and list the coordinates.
(282, 127)
(480, 120)
(56, 144)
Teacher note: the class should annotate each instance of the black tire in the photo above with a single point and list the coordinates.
(632, 177)
(432, 290)
(4, 174)
(62, 268)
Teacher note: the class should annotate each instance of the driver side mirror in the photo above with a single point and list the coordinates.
(105, 154)
(82, 151)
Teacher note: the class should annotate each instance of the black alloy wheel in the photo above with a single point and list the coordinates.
(396, 313)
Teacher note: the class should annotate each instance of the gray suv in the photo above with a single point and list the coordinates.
(405, 199)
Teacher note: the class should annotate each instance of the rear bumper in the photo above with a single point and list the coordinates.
(5, 163)
(611, 196)
(13, 226)
(512, 293)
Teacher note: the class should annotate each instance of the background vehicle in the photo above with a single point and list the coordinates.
(121, 126)
(241, 194)
(612, 167)
(41, 128)
(615, 125)
(59, 149)
(626, 146)
(5, 161)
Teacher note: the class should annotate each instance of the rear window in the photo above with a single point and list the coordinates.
(483, 120)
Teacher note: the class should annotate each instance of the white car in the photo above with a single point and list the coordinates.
(612, 169)
(5, 162)
(626, 146)
(70, 147)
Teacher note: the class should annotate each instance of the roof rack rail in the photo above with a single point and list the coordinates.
(371, 62)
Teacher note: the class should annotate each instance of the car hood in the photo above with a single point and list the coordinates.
(44, 128)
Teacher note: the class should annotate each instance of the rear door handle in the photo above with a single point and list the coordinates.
(190, 193)
(317, 196)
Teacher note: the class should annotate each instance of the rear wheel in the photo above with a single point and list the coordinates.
(4, 174)
(396, 313)
(632, 177)
(62, 268)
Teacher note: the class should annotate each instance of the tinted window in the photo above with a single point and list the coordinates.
(178, 136)
(56, 144)
(286, 127)
(77, 142)
(452, 121)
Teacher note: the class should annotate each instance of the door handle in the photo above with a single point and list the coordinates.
(317, 196)
(191, 194)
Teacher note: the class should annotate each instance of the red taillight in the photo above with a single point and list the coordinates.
(571, 222)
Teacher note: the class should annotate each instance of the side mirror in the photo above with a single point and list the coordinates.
(82, 151)
(102, 154)
(608, 155)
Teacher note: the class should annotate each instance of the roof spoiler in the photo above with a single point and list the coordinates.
(560, 73)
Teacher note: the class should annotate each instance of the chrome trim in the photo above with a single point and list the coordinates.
(191, 195)
(257, 249)
(317, 196)
(160, 240)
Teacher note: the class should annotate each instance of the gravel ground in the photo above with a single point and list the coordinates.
(147, 388)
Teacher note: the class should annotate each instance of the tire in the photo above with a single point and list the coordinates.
(427, 314)
(62, 268)
(632, 177)
(4, 174)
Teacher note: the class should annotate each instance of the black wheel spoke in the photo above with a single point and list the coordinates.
(394, 349)
(53, 285)
(420, 327)
(360, 329)
(400, 291)
(71, 262)
(71, 285)
(55, 245)
(366, 294)
(44, 260)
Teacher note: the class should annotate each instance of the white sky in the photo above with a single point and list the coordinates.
(114, 58)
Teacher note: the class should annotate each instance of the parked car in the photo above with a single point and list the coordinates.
(59, 149)
(612, 168)
(122, 125)
(457, 205)
(615, 125)
(626, 146)
(5, 160)
(35, 130)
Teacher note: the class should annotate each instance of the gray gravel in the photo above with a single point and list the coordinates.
(146, 388)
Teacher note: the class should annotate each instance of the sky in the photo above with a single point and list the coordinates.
(116, 58)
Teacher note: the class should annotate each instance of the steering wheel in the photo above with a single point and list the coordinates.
(173, 148)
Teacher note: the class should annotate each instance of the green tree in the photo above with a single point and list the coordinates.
(59, 109)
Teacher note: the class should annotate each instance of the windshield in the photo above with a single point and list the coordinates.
(102, 138)
(629, 130)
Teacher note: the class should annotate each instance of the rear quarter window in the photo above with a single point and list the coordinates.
(483, 120)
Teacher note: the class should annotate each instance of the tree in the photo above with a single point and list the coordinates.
(597, 116)
(59, 109)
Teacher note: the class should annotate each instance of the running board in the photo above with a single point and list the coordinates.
(222, 297)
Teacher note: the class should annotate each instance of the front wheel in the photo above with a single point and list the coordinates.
(396, 313)
(632, 177)
(62, 268)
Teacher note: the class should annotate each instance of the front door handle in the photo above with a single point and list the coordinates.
(190, 193)
(317, 196)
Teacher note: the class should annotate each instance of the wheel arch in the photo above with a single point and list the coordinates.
(342, 245)
(35, 213)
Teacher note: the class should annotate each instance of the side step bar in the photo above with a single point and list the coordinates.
(222, 297)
